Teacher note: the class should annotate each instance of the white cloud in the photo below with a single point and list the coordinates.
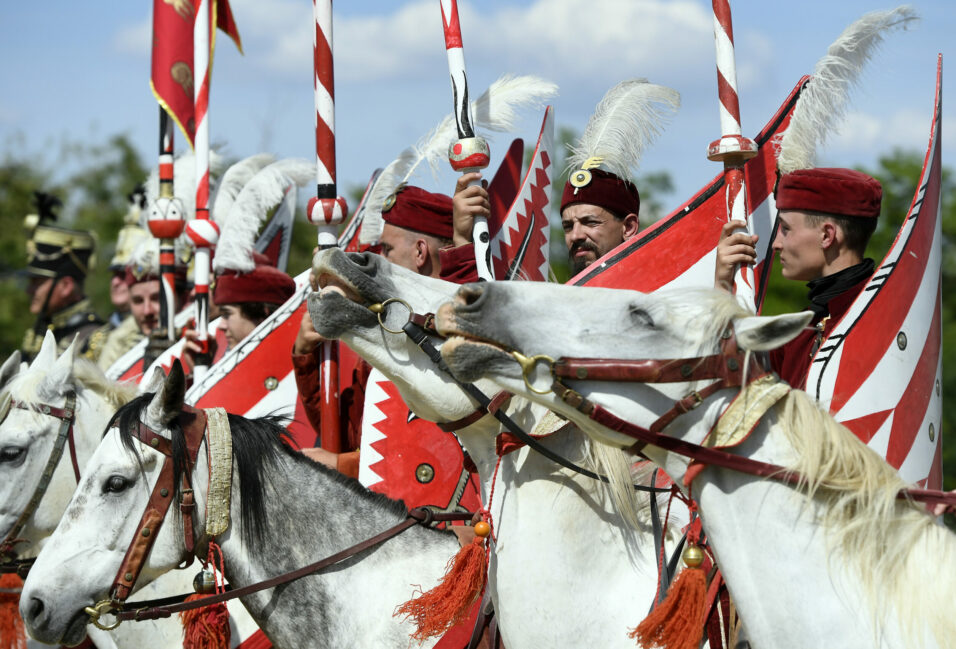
(134, 39)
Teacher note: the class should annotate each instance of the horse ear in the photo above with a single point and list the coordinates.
(154, 383)
(168, 401)
(763, 333)
(47, 354)
(10, 367)
(59, 377)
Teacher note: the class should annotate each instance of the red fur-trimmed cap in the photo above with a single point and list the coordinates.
(842, 192)
(605, 190)
(416, 209)
(265, 283)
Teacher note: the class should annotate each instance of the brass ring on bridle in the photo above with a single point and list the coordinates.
(380, 310)
(528, 364)
(102, 607)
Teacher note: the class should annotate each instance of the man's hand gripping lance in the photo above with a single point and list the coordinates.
(732, 148)
(469, 152)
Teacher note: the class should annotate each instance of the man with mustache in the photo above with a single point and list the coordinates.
(599, 211)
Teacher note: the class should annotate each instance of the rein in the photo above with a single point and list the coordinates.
(194, 423)
(64, 437)
(160, 608)
(418, 327)
(727, 367)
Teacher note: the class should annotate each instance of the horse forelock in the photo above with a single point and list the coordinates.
(880, 535)
(31, 385)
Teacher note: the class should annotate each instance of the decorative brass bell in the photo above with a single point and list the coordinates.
(204, 582)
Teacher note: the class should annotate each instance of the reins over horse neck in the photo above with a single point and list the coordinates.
(194, 425)
(727, 368)
(64, 437)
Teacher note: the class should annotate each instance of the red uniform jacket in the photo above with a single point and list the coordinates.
(792, 361)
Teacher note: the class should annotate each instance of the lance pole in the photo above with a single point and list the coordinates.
(203, 232)
(327, 210)
(166, 224)
(469, 152)
(732, 149)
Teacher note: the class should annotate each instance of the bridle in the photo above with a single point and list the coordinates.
(731, 367)
(64, 437)
(193, 423)
(418, 328)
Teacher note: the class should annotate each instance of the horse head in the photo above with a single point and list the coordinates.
(81, 562)
(496, 323)
(56, 409)
(351, 283)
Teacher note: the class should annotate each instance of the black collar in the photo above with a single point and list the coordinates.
(824, 289)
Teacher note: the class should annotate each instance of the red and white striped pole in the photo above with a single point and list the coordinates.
(327, 210)
(203, 232)
(166, 223)
(469, 152)
(732, 148)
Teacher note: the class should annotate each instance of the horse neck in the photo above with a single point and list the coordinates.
(310, 514)
(765, 535)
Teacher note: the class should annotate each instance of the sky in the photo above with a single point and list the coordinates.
(79, 72)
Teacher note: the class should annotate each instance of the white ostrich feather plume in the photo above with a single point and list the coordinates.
(252, 205)
(824, 102)
(627, 120)
(184, 181)
(497, 109)
(234, 180)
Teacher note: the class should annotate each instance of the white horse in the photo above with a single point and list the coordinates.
(285, 510)
(27, 437)
(838, 562)
(566, 566)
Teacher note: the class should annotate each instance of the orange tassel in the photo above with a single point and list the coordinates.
(450, 601)
(678, 621)
(206, 627)
(12, 634)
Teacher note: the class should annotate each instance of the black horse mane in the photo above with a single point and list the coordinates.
(256, 444)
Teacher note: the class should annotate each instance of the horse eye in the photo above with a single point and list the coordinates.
(11, 454)
(115, 484)
(641, 317)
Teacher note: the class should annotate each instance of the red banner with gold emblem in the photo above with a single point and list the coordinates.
(172, 79)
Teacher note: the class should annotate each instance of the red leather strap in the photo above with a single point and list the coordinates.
(496, 403)
(193, 424)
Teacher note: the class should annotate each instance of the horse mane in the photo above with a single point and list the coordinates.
(886, 539)
(91, 377)
(258, 446)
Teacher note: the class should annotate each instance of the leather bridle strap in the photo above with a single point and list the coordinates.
(420, 337)
(721, 367)
(419, 515)
(66, 415)
(193, 424)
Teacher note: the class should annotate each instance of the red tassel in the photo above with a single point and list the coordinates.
(450, 601)
(678, 621)
(206, 627)
(12, 634)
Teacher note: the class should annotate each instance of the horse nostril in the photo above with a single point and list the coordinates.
(34, 609)
(470, 294)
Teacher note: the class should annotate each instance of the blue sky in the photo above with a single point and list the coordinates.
(80, 71)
